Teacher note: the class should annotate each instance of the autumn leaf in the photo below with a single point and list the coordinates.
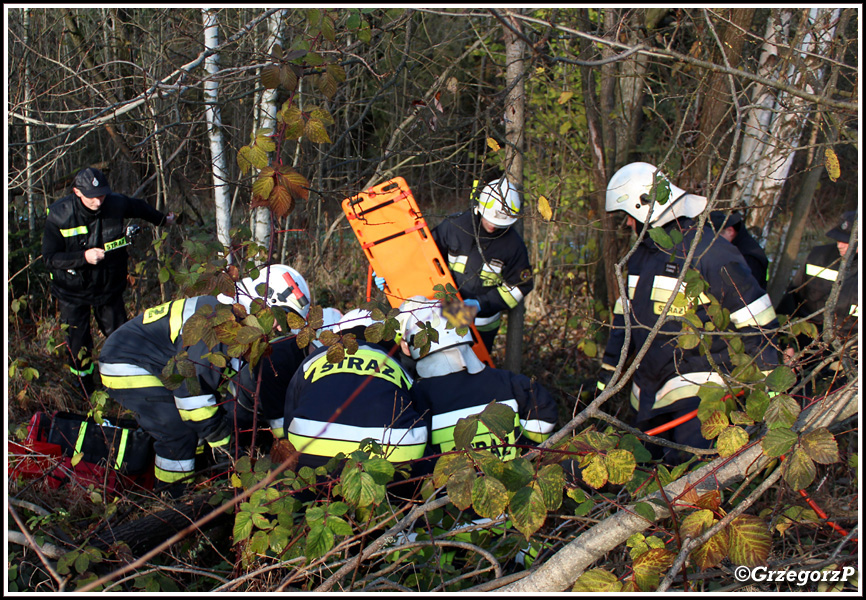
(831, 163)
(492, 144)
(544, 208)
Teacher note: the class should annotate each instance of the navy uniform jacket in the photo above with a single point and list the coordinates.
(669, 378)
(444, 400)
(277, 370)
(71, 228)
(133, 357)
(492, 268)
(755, 256)
(811, 286)
(331, 408)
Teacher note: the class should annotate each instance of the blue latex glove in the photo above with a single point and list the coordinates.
(472, 302)
(379, 281)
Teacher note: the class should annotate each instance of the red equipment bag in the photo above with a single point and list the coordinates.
(107, 456)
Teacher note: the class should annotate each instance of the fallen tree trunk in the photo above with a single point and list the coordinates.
(562, 569)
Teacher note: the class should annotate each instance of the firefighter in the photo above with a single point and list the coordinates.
(452, 384)
(668, 378)
(278, 366)
(731, 227)
(486, 256)
(332, 407)
(84, 248)
(133, 358)
(810, 289)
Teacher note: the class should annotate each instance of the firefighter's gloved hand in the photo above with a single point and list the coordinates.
(220, 439)
(472, 303)
(379, 281)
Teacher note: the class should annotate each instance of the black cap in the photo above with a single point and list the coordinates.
(842, 232)
(91, 183)
(721, 219)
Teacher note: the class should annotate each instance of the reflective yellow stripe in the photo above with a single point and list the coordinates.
(79, 443)
(121, 451)
(221, 442)
(364, 362)
(198, 414)
(600, 386)
(81, 372)
(118, 243)
(756, 314)
(74, 231)
(617, 308)
(169, 476)
(131, 382)
(457, 264)
(855, 310)
(511, 295)
(821, 272)
(330, 448)
(175, 322)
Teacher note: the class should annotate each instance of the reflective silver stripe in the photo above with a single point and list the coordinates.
(632, 284)
(480, 321)
(177, 466)
(276, 423)
(684, 386)
(756, 314)
(664, 286)
(513, 291)
(339, 431)
(537, 426)
(635, 396)
(189, 309)
(855, 310)
(194, 402)
(457, 263)
(121, 370)
(821, 272)
(492, 268)
(450, 418)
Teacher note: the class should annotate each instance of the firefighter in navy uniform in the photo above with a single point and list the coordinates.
(133, 358)
(666, 383)
(84, 247)
(731, 227)
(319, 421)
(279, 365)
(452, 383)
(810, 289)
(486, 256)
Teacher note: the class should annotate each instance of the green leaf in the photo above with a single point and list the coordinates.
(634, 445)
(646, 511)
(821, 446)
(527, 511)
(597, 580)
(620, 466)
(459, 488)
(782, 412)
(800, 470)
(731, 440)
(359, 489)
(499, 419)
(243, 526)
(595, 473)
(489, 497)
(448, 465)
(781, 379)
(380, 469)
(649, 565)
(711, 553)
(518, 473)
(714, 425)
(778, 442)
(278, 539)
(549, 482)
(464, 432)
(338, 526)
(661, 237)
(749, 541)
(320, 540)
(756, 404)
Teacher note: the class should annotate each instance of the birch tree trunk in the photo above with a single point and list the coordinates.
(774, 130)
(514, 137)
(28, 134)
(267, 119)
(222, 202)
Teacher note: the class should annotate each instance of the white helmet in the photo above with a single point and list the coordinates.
(632, 189)
(286, 288)
(499, 202)
(357, 317)
(330, 317)
(417, 311)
